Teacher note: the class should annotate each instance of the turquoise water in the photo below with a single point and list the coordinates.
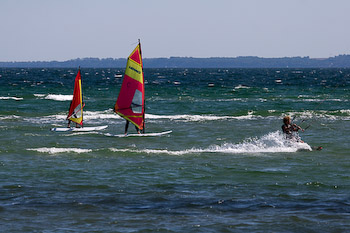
(225, 167)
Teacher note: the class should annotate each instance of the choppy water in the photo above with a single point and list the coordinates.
(224, 168)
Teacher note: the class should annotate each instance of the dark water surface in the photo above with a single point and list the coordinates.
(224, 168)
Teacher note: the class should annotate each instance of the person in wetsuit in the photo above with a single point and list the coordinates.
(127, 126)
(288, 129)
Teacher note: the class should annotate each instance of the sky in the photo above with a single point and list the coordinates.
(47, 30)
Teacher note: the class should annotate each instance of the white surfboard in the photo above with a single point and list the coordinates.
(82, 129)
(139, 135)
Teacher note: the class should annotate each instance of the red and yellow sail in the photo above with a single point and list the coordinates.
(131, 100)
(76, 107)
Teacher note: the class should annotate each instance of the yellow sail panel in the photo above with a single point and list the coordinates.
(134, 70)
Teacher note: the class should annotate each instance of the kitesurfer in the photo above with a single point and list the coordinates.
(288, 129)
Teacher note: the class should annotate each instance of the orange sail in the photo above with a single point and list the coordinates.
(131, 100)
(76, 106)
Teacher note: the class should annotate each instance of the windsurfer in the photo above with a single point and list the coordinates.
(127, 126)
(289, 129)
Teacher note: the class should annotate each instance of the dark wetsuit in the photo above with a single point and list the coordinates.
(127, 126)
(289, 130)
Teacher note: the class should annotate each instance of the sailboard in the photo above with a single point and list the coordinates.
(82, 129)
(139, 135)
(75, 113)
(130, 103)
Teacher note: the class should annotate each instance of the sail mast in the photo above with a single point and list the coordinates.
(144, 100)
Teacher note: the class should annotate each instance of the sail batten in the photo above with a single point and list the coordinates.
(130, 103)
(75, 113)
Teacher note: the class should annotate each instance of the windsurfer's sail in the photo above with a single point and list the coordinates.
(76, 106)
(131, 100)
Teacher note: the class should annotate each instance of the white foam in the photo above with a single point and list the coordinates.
(347, 111)
(106, 114)
(39, 95)
(322, 100)
(55, 150)
(88, 116)
(57, 97)
(10, 98)
(241, 87)
(188, 118)
(10, 117)
(270, 143)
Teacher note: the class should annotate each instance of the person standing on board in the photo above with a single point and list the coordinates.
(288, 129)
(76, 124)
(127, 126)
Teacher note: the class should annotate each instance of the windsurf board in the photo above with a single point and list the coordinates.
(139, 135)
(82, 129)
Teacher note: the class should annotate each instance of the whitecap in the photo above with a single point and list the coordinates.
(188, 118)
(57, 97)
(55, 150)
(241, 87)
(39, 95)
(270, 143)
(10, 117)
(10, 98)
(106, 114)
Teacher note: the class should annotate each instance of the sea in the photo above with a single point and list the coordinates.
(226, 166)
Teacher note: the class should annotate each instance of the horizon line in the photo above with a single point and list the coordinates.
(81, 58)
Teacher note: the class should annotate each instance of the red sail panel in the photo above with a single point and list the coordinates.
(76, 107)
(130, 103)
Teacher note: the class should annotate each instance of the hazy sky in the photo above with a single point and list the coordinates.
(38, 30)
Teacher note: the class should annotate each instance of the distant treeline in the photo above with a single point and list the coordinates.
(341, 61)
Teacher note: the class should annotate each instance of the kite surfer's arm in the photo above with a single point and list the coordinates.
(297, 127)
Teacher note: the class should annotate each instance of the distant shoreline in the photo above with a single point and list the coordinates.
(341, 61)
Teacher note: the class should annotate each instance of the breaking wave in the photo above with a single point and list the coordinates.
(56, 97)
(10, 117)
(10, 98)
(270, 143)
(55, 150)
(95, 116)
(188, 117)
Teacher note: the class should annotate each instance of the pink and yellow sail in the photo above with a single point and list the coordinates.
(76, 107)
(131, 100)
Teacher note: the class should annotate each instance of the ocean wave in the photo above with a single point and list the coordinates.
(242, 87)
(269, 143)
(57, 97)
(88, 116)
(55, 150)
(10, 98)
(322, 100)
(196, 118)
(342, 114)
(9, 117)
(109, 114)
(97, 116)
(106, 114)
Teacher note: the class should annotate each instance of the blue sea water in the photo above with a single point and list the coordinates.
(224, 168)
